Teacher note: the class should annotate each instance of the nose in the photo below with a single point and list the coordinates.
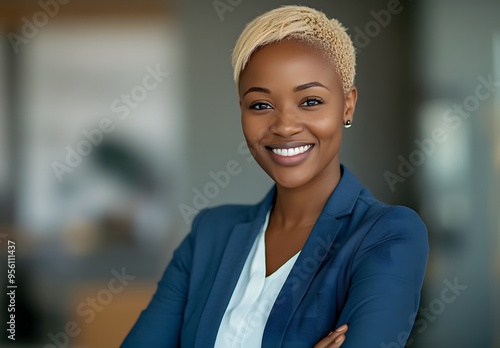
(286, 124)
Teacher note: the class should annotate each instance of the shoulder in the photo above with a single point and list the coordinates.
(394, 234)
(391, 241)
(221, 219)
(381, 223)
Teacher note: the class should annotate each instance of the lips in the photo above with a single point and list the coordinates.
(289, 154)
(291, 151)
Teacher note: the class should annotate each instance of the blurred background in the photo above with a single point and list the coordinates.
(119, 120)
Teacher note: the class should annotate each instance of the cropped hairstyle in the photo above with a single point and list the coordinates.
(302, 24)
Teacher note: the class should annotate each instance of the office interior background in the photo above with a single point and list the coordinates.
(119, 120)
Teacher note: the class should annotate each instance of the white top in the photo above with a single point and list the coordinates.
(243, 323)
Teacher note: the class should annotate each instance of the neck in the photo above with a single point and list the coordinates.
(301, 206)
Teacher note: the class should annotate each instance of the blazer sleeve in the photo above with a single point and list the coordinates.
(160, 323)
(387, 276)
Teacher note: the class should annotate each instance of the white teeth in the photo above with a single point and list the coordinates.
(291, 152)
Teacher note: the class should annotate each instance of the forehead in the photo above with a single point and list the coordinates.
(289, 61)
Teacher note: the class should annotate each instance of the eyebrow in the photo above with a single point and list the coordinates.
(257, 89)
(296, 89)
(309, 85)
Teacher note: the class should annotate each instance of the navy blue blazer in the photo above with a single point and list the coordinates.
(363, 265)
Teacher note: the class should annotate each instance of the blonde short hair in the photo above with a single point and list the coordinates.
(303, 24)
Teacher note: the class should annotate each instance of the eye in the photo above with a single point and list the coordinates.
(312, 102)
(260, 106)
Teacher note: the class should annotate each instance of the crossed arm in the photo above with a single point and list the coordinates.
(387, 275)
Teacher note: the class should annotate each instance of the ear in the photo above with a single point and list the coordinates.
(350, 104)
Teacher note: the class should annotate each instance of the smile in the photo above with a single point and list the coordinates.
(290, 154)
(292, 151)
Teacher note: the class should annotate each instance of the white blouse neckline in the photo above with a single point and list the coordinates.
(245, 318)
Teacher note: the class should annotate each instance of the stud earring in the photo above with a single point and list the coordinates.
(348, 124)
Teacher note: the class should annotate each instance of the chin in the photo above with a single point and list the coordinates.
(290, 179)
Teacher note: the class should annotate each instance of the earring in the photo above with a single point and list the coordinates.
(348, 124)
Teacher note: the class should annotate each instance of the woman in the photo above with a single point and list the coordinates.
(319, 262)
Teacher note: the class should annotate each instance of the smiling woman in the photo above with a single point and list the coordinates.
(319, 261)
(302, 105)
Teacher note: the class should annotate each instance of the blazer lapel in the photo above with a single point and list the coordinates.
(319, 244)
(316, 248)
(235, 254)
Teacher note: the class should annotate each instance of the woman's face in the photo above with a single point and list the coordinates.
(292, 111)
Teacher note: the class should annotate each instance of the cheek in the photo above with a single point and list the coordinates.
(253, 129)
(326, 129)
